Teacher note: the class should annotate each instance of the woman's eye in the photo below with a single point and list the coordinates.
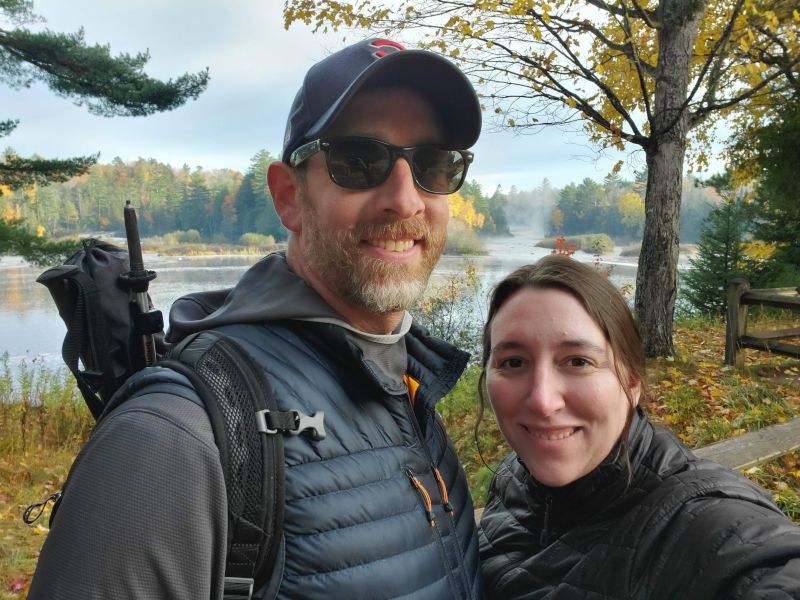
(510, 363)
(577, 361)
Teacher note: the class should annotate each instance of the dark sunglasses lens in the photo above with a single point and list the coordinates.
(438, 170)
(358, 163)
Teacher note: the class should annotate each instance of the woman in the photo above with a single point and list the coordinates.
(595, 501)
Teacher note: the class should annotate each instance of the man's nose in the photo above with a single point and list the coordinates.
(399, 194)
(546, 396)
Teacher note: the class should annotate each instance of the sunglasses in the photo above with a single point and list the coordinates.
(359, 163)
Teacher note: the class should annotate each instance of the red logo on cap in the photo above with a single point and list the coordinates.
(386, 47)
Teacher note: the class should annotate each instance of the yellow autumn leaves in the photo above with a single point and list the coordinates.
(463, 210)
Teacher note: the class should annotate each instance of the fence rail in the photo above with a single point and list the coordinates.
(740, 296)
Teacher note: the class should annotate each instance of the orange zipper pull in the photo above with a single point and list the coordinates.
(426, 497)
(443, 489)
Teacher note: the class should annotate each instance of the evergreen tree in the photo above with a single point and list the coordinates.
(89, 75)
(195, 205)
(497, 211)
(719, 257)
(777, 203)
(257, 212)
(15, 239)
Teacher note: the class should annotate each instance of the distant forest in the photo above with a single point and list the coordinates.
(223, 205)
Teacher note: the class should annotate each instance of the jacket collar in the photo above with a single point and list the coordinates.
(601, 490)
(432, 362)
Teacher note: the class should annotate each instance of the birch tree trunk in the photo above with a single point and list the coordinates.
(657, 277)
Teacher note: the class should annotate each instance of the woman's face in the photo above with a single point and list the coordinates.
(552, 384)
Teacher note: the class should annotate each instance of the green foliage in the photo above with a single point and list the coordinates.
(479, 454)
(89, 75)
(219, 204)
(777, 200)
(190, 236)
(492, 208)
(497, 216)
(16, 172)
(616, 207)
(718, 260)
(40, 408)
(253, 201)
(453, 311)
(256, 239)
(15, 239)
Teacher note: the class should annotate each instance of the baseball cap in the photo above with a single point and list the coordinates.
(331, 83)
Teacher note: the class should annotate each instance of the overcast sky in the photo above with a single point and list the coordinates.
(256, 68)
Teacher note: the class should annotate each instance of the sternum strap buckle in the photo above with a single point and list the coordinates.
(292, 422)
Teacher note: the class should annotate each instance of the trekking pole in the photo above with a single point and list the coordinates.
(146, 320)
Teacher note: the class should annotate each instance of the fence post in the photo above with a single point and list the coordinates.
(736, 322)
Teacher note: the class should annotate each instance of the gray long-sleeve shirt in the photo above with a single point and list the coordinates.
(154, 442)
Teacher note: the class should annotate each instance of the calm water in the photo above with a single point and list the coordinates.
(31, 330)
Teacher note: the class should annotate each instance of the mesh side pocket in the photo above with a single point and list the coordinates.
(245, 457)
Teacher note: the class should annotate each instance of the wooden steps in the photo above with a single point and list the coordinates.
(756, 447)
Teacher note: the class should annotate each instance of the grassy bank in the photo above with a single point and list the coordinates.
(43, 424)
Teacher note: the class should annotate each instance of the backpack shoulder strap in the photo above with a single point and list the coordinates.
(237, 396)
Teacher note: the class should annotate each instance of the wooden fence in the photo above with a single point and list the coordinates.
(737, 338)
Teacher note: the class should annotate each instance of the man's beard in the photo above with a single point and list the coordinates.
(377, 285)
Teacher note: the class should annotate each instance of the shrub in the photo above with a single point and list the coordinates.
(462, 240)
(190, 236)
(594, 243)
(256, 239)
(174, 238)
(454, 311)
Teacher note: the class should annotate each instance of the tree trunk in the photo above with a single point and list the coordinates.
(657, 277)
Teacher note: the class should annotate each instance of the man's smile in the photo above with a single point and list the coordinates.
(392, 245)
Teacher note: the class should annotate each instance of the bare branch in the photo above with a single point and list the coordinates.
(648, 16)
(701, 113)
(589, 76)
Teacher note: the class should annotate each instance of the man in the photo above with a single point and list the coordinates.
(379, 508)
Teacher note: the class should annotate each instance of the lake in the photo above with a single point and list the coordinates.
(31, 330)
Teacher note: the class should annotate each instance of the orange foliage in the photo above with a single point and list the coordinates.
(563, 248)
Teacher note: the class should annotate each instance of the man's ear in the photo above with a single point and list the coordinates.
(286, 192)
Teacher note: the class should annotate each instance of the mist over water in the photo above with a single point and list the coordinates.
(531, 210)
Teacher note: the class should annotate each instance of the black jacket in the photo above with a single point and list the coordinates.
(683, 528)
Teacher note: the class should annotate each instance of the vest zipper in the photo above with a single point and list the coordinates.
(424, 496)
(544, 538)
(458, 589)
(443, 491)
